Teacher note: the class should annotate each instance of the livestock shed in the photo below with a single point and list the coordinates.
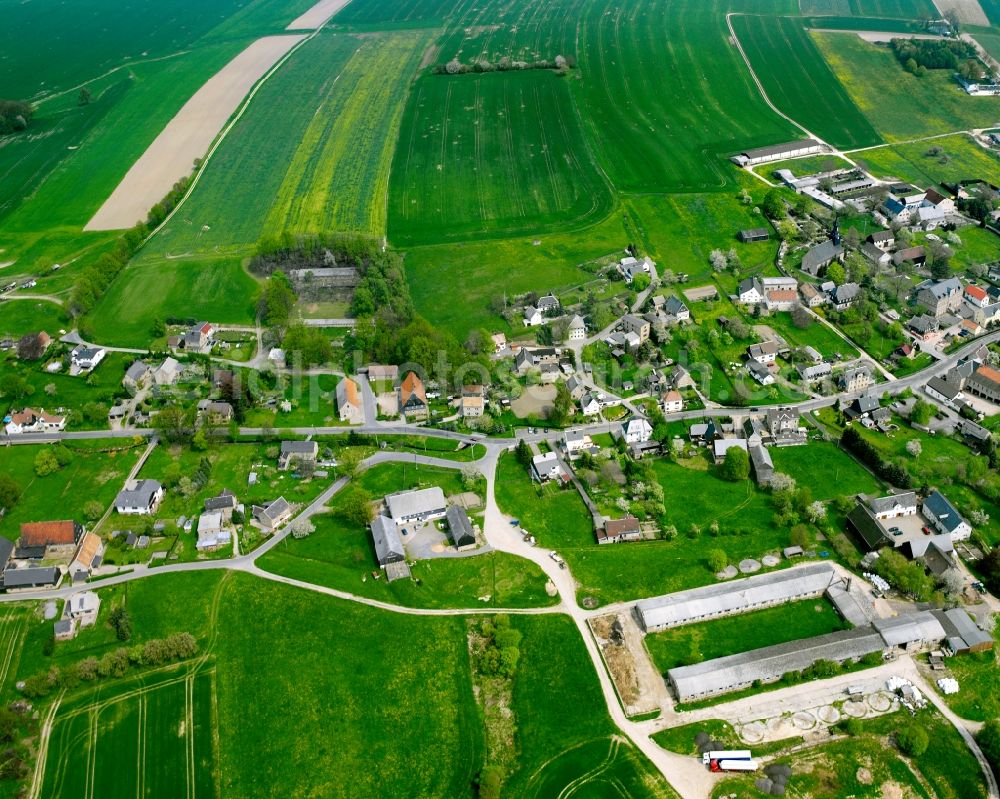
(737, 596)
(778, 152)
(460, 528)
(754, 234)
(963, 634)
(910, 631)
(735, 672)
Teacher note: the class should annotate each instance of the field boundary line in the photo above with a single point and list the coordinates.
(967, 132)
(224, 133)
(109, 73)
(44, 735)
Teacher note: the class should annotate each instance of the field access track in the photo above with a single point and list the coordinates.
(188, 135)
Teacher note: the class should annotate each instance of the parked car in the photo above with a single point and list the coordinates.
(925, 530)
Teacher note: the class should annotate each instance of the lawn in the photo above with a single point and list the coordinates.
(921, 164)
(492, 155)
(217, 290)
(817, 335)
(96, 472)
(799, 82)
(682, 739)
(800, 167)
(693, 643)
(653, 135)
(340, 555)
(978, 675)
(18, 317)
(825, 469)
(900, 105)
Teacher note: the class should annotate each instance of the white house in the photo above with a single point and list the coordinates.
(672, 402)
(942, 514)
(893, 506)
(759, 372)
(532, 316)
(750, 291)
(545, 467)
(349, 402)
(765, 352)
(589, 406)
(33, 421)
(636, 431)
(166, 373)
(86, 358)
(139, 497)
(577, 330)
(212, 532)
(574, 442)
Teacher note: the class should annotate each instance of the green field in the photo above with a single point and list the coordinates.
(902, 106)
(825, 469)
(920, 163)
(652, 134)
(18, 317)
(154, 737)
(693, 643)
(92, 473)
(817, 335)
(907, 9)
(799, 82)
(977, 676)
(219, 290)
(482, 155)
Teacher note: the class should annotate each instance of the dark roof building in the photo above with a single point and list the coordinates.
(754, 234)
(34, 577)
(460, 528)
(388, 544)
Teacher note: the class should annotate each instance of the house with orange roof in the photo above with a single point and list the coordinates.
(31, 420)
(413, 397)
(349, 404)
(985, 383)
(976, 296)
(88, 556)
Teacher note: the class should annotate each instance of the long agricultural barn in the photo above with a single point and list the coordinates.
(778, 152)
(738, 596)
(910, 632)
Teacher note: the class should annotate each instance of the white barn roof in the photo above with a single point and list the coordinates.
(416, 503)
(737, 596)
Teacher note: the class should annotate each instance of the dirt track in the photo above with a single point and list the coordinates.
(188, 135)
(317, 15)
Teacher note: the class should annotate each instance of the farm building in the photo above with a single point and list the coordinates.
(34, 577)
(272, 514)
(295, 452)
(909, 632)
(985, 383)
(763, 466)
(754, 234)
(388, 544)
(963, 634)
(738, 596)
(778, 152)
(460, 528)
(416, 506)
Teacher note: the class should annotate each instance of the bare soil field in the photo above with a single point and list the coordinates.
(188, 135)
(317, 15)
(969, 11)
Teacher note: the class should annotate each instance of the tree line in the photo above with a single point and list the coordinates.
(919, 55)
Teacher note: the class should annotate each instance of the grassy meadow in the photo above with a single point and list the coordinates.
(18, 317)
(902, 106)
(907, 9)
(482, 155)
(945, 160)
(779, 48)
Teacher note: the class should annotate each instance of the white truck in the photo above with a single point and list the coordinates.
(734, 765)
(726, 754)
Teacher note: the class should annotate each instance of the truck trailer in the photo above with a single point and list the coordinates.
(734, 765)
(726, 754)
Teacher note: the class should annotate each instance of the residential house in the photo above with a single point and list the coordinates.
(893, 506)
(139, 497)
(765, 352)
(985, 383)
(575, 442)
(630, 267)
(863, 407)
(672, 402)
(528, 359)
(703, 433)
(460, 528)
(637, 325)
(388, 544)
(225, 504)
(89, 555)
(576, 330)
(857, 378)
(380, 373)
(616, 531)
(294, 453)
(820, 257)
(83, 608)
(136, 377)
(976, 296)
(928, 217)
(499, 343)
(750, 291)
(783, 425)
(167, 373)
(970, 328)
(575, 387)
(812, 354)
(923, 326)
(215, 413)
(349, 404)
(417, 506)
(472, 403)
(636, 431)
(875, 255)
(199, 338)
(934, 199)
(532, 316)
(812, 297)
(212, 532)
(941, 296)
(548, 305)
(589, 405)
(915, 255)
(546, 467)
(31, 420)
(885, 240)
(844, 296)
(675, 309)
(945, 391)
(413, 397)
(272, 515)
(86, 358)
(760, 372)
(942, 514)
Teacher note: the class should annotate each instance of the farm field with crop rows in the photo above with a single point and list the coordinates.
(908, 9)
(778, 48)
(492, 154)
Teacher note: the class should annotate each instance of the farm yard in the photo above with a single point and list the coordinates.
(486, 155)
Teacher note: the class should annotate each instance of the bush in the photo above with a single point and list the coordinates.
(912, 740)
